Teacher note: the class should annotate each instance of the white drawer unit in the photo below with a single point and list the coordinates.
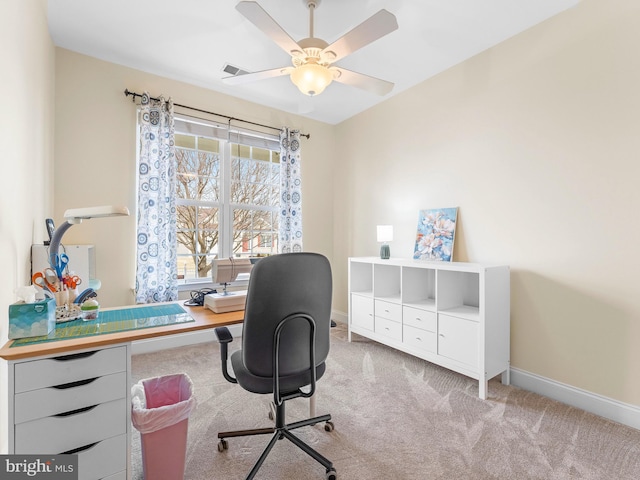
(71, 430)
(458, 339)
(418, 318)
(388, 310)
(362, 311)
(453, 314)
(422, 340)
(101, 459)
(389, 328)
(77, 404)
(65, 369)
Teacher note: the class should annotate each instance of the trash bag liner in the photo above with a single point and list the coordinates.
(161, 402)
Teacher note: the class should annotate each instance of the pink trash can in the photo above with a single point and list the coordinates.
(160, 412)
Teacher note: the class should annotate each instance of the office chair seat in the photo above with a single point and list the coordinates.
(256, 384)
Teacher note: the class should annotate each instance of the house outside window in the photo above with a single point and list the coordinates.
(228, 189)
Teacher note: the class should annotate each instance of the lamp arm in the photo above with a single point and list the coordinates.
(54, 245)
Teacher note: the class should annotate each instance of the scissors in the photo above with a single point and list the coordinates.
(61, 262)
(42, 280)
(72, 281)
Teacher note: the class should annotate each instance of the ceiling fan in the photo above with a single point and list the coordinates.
(312, 57)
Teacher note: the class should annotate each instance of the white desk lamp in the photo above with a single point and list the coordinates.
(76, 215)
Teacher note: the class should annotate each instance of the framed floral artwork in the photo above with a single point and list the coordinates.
(436, 234)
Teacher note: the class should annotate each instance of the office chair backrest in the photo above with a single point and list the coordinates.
(279, 286)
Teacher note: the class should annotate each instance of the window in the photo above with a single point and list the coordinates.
(228, 189)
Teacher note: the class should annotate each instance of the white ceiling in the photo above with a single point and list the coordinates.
(191, 41)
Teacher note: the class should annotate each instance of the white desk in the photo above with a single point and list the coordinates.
(88, 380)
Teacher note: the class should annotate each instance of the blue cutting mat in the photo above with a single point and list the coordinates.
(112, 321)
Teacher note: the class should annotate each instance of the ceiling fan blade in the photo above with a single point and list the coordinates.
(252, 77)
(375, 27)
(261, 19)
(364, 82)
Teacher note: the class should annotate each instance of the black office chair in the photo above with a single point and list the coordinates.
(285, 343)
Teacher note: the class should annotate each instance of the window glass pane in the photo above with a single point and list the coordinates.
(197, 235)
(197, 175)
(254, 232)
(252, 181)
(275, 175)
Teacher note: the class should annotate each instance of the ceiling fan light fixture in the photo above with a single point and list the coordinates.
(311, 78)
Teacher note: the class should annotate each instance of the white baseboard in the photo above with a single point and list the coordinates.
(339, 317)
(576, 397)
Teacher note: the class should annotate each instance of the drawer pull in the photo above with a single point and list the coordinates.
(386, 310)
(418, 339)
(386, 328)
(441, 335)
(418, 319)
(74, 412)
(79, 449)
(79, 383)
(74, 356)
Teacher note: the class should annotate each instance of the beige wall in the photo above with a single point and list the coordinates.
(26, 146)
(95, 153)
(537, 141)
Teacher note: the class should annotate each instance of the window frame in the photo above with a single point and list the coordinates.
(227, 135)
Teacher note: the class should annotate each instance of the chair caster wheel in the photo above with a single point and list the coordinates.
(332, 474)
(328, 427)
(223, 445)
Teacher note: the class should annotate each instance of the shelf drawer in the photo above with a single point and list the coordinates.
(45, 402)
(391, 311)
(389, 328)
(105, 459)
(418, 318)
(362, 311)
(31, 375)
(458, 339)
(61, 433)
(421, 339)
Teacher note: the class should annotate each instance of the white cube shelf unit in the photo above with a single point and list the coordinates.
(453, 314)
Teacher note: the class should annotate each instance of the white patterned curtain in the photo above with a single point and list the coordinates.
(156, 274)
(290, 224)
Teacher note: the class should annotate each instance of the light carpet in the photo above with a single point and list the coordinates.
(396, 417)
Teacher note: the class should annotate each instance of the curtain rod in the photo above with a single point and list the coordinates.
(134, 95)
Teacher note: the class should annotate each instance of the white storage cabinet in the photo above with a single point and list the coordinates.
(453, 314)
(75, 404)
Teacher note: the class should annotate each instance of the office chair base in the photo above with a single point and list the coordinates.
(328, 427)
(280, 432)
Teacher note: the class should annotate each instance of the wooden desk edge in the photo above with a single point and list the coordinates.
(204, 319)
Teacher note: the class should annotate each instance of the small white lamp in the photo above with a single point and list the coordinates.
(385, 234)
(75, 216)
